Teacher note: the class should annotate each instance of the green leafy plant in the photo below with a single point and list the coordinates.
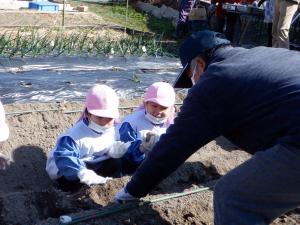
(56, 42)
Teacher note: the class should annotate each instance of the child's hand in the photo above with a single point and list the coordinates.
(118, 149)
(89, 177)
(148, 141)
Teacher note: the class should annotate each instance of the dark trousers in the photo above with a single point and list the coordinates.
(232, 30)
(269, 33)
(232, 25)
(260, 189)
(107, 168)
(128, 168)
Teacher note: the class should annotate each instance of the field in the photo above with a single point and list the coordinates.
(27, 195)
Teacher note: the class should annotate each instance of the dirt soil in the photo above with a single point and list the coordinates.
(27, 195)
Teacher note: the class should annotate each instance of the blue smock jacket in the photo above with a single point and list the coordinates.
(76, 147)
(67, 158)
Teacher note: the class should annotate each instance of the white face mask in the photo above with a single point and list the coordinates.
(193, 77)
(153, 119)
(98, 128)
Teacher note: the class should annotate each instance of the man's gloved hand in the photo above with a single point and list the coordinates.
(4, 162)
(123, 196)
(89, 177)
(149, 139)
(118, 149)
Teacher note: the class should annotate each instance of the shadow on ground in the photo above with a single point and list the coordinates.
(26, 172)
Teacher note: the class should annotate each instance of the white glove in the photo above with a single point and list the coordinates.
(89, 177)
(4, 162)
(149, 139)
(118, 149)
(122, 196)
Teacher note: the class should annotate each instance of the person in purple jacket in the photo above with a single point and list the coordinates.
(251, 97)
(185, 7)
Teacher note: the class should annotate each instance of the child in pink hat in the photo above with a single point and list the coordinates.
(4, 133)
(89, 152)
(145, 125)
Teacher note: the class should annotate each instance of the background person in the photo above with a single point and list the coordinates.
(268, 17)
(250, 96)
(227, 22)
(283, 13)
(185, 8)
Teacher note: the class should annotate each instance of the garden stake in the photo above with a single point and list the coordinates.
(66, 219)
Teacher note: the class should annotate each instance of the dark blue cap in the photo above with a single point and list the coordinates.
(198, 44)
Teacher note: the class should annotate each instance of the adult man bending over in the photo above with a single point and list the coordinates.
(250, 96)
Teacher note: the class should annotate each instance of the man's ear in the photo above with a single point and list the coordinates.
(201, 62)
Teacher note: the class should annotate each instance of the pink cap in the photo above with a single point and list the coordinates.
(4, 130)
(102, 101)
(161, 93)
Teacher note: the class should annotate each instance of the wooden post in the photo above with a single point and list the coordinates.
(63, 14)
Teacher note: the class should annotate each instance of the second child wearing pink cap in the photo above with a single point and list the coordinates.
(145, 125)
(89, 152)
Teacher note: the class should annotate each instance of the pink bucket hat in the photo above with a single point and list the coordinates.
(102, 101)
(161, 93)
(4, 130)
